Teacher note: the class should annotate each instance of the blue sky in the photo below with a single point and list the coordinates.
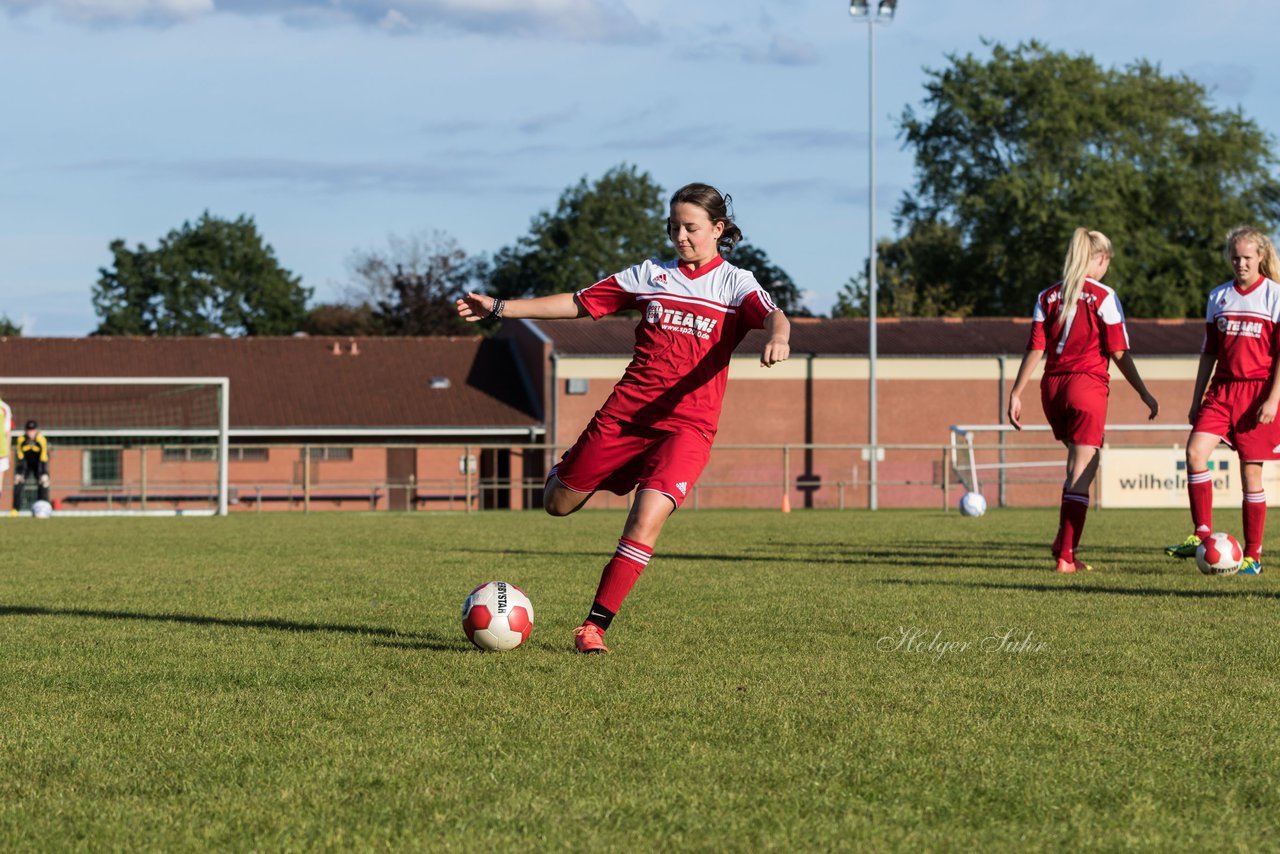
(335, 123)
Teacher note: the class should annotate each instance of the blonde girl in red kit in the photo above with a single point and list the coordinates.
(1242, 333)
(654, 433)
(1079, 323)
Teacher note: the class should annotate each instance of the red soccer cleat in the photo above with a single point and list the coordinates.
(589, 639)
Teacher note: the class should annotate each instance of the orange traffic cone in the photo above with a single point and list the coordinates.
(786, 503)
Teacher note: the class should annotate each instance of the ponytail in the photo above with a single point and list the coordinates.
(1268, 262)
(1084, 245)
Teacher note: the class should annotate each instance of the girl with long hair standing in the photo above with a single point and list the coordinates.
(1242, 332)
(1079, 323)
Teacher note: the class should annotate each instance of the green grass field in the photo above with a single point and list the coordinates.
(302, 683)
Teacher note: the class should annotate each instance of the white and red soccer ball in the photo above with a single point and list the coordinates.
(497, 616)
(1219, 554)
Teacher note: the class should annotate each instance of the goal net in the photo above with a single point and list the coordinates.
(1140, 465)
(127, 445)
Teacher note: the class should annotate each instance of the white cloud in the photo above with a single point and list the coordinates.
(395, 21)
(782, 51)
(572, 20)
(337, 177)
(119, 11)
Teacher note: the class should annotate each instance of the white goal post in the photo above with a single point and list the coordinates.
(107, 413)
(964, 452)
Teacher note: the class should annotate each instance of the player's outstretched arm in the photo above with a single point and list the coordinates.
(1030, 360)
(1124, 361)
(777, 347)
(473, 307)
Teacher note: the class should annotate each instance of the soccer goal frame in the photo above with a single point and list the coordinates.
(964, 452)
(221, 433)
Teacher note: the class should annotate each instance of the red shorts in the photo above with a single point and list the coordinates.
(1230, 411)
(618, 456)
(1075, 406)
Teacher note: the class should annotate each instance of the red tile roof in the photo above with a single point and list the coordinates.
(301, 382)
(895, 336)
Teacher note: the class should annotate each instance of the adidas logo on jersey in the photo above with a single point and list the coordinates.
(683, 486)
(660, 279)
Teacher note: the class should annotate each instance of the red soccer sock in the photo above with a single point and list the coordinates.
(1071, 516)
(619, 576)
(1255, 520)
(1200, 490)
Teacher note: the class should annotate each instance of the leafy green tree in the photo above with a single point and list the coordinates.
(915, 277)
(216, 277)
(9, 329)
(1015, 151)
(771, 277)
(596, 230)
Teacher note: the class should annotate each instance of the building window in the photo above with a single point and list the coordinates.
(343, 455)
(101, 466)
(576, 386)
(189, 455)
(205, 455)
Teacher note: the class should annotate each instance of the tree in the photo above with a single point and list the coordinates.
(216, 277)
(336, 318)
(915, 277)
(595, 231)
(409, 288)
(772, 278)
(9, 329)
(1015, 152)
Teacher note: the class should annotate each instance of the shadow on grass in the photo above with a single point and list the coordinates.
(1080, 588)
(427, 641)
(433, 645)
(976, 556)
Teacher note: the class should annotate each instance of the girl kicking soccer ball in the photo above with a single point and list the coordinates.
(1079, 322)
(1240, 406)
(654, 433)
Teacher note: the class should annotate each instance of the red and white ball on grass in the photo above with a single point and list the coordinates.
(497, 616)
(1219, 554)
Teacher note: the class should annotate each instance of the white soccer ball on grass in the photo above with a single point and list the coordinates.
(972, 504)
(42, 509)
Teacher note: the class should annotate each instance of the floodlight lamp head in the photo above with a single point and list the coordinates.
(859, 8)
(887, 8)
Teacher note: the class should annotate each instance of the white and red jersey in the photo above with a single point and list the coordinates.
(1081, 344)
(1240, 329)
(691, 321)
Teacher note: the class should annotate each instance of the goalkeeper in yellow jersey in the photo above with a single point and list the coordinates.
(32, 450)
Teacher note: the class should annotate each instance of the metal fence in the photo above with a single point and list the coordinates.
(475, 477)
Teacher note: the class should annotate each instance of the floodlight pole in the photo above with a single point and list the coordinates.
(883, 14)
(872, 285)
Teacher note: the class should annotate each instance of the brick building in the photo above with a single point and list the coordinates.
(360, 423)
(931, 373)
(394, 422)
